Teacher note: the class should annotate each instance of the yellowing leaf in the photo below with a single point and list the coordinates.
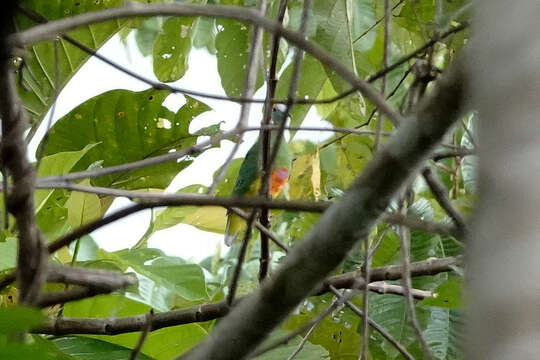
(305, 180)
(316, 175)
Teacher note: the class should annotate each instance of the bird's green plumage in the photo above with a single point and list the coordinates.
(248, 181)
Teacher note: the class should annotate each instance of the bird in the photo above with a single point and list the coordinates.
(249, 177)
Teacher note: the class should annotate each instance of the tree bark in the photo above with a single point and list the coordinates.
(503, 275)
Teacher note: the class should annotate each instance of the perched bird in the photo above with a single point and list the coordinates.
(249, 176)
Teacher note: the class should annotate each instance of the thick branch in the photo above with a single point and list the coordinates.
(31, 258)
(89, 277)
(340, 227)
(72, 294)
(206, 312)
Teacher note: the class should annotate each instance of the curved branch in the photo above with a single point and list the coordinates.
(57, 27)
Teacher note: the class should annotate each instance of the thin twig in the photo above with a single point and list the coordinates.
(420, 50)
(373, 112)
(147, 329)
(44, 142)
(53, 28)
(453, 153)
(439, 192)
(404, 235)
(469, 134)
(376, 23)
(380, 120)
(171, 88)
(386, 56)
(385, 334)
(264, 135)
(248, 91)
(262, 229)
(89, 277)
(312, 323)
(240, 259)
(302, 343)
(192, 150)
(366, 267)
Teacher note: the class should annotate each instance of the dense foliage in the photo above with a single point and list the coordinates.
(122, 126)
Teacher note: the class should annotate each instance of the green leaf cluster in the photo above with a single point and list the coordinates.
(123, 126)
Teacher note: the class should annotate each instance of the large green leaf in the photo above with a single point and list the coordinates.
(444, 334)
(19, 351)
(309, 351)
(204, 35)
(128, 126)
(51, 213)
(105, 306)
(334, 34)
(206, 218)
(8, 253)
(341, 342)
(233, 44)
(83, 208)
(389, 311)
(57, 164)
(170, 273)
(85, 348)
(312, 79)
(449, 294)
(171, 48)
(18, 318)
(147, 33)
(420, 16)
(163, 344)
(39, 77)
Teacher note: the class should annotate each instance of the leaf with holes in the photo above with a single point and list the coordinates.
(128, 126)
(232, 44)
(38, 86)
(172, 47)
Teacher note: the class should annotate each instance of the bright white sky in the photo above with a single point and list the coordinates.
(96, 77)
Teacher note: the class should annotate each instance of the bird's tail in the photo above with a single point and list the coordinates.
(233, 228)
